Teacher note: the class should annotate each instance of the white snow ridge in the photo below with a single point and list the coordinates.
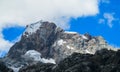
(70, 32)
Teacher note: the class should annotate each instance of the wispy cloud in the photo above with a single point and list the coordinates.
(101, 21)
(108, 18)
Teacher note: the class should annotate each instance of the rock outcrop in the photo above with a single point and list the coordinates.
(102, 61)
(38, 67)
(4, 68)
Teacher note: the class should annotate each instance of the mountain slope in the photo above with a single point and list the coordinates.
(51, 42)
(4, 68)
(102, 61)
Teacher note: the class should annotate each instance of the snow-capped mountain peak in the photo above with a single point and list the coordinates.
(32, 28)
(47, 43)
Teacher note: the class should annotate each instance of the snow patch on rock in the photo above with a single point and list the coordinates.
(69, 47)
(61, 42)
(36, 56)
(86, 51)
(84, 37)
(48, 60)
(70, 32)
(32, 28)
(15, 69)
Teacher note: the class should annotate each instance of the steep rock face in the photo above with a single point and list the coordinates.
(52, 42)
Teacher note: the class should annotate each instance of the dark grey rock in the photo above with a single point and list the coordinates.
(102, 61)
(4, 68)
(39, 67)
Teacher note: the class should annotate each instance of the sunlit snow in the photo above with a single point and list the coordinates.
(36, 56)
(32, 28)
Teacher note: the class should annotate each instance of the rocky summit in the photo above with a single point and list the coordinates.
(43, 43)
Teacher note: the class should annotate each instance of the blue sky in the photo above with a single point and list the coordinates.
(12, 33)
(91, 24)
(97, 17)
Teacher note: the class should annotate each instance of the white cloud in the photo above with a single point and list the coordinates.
(23, 12)
(4, 44)
(108, 18)
(28, 11)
